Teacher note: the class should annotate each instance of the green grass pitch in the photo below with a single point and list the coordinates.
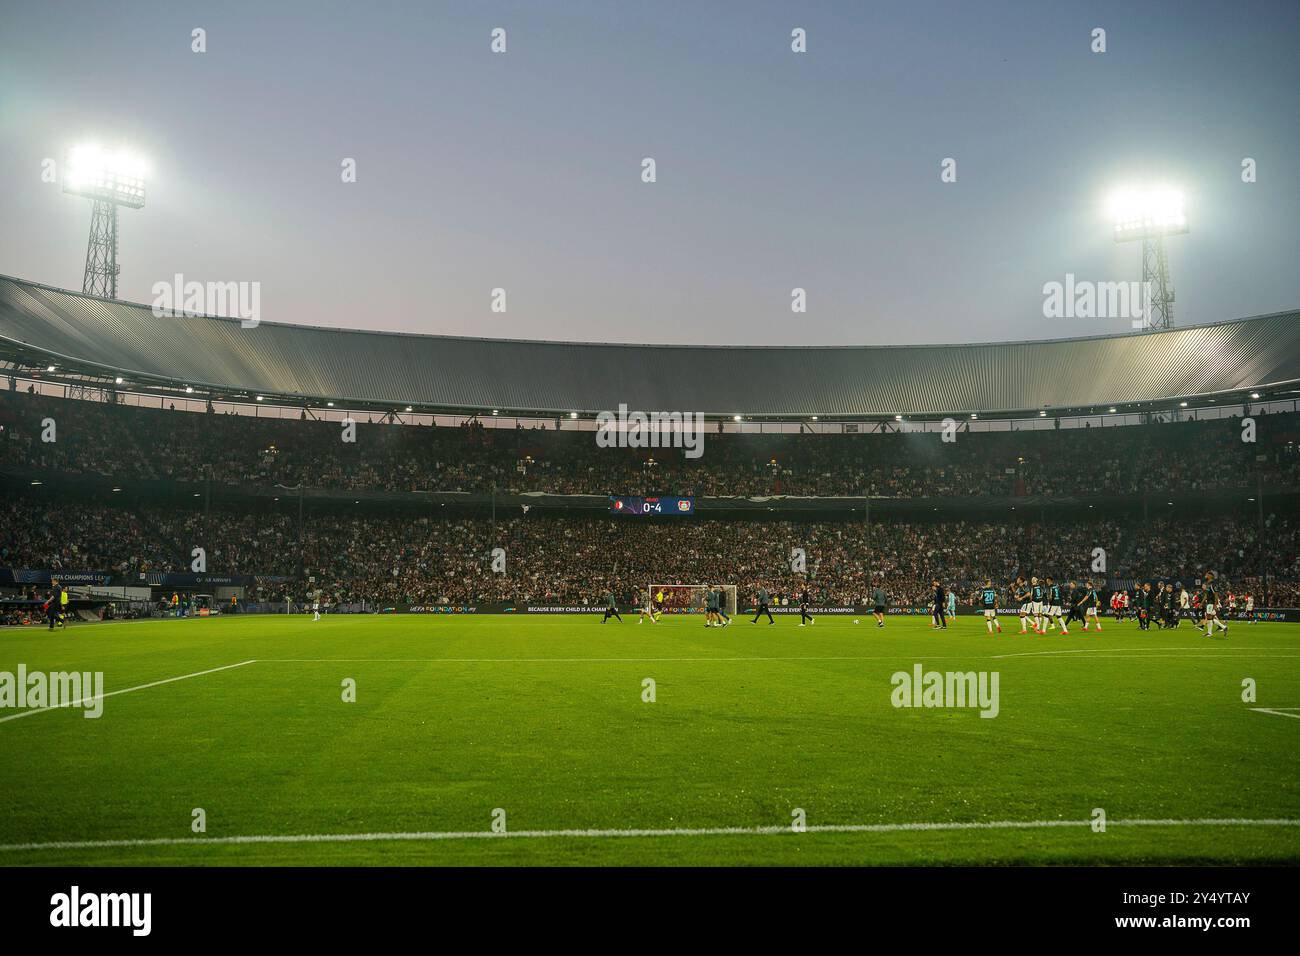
(544, 718)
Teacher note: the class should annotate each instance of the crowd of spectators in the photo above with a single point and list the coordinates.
(555, 559)
(573, 560)
(81, 538)
(132, 442)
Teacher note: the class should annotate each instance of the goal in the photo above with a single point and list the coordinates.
(691, 597)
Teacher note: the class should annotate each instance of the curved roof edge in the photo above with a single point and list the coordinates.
(307, 364)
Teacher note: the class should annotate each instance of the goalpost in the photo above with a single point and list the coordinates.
(679, 598)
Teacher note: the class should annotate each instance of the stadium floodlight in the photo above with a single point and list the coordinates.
(108, 179)
(115, 177)
(1148, 216)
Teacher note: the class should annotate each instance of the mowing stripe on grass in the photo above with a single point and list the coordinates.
(124, 690)
(431, 835)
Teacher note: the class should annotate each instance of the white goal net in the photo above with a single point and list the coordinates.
(682, 598)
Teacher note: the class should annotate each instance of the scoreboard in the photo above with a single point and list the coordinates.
(624, 505)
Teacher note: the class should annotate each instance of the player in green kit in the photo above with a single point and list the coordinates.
(1091, 606)
(1054, 599)
(1211, 610)
(989, 601)
(1037, 605)
(1020, 596)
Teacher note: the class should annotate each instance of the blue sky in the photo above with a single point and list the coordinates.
(775, 170)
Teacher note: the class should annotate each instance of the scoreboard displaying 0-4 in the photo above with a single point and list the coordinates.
(623, 505)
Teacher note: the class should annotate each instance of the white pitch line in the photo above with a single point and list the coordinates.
(723, 660)
(1116, 650)
(1171, 657)
(1278, 711)
(592, 660)
(124, 690)
(436, 835)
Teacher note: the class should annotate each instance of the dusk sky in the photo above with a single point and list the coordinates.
(776, 170)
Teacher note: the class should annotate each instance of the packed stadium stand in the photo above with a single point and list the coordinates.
(127, 486)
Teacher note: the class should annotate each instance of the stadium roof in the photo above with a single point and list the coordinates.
(86, 335)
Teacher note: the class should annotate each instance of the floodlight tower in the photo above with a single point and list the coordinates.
(1149, 216)
(108, 180)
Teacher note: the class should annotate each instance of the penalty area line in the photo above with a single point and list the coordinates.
(436, 835)
(124, 690)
